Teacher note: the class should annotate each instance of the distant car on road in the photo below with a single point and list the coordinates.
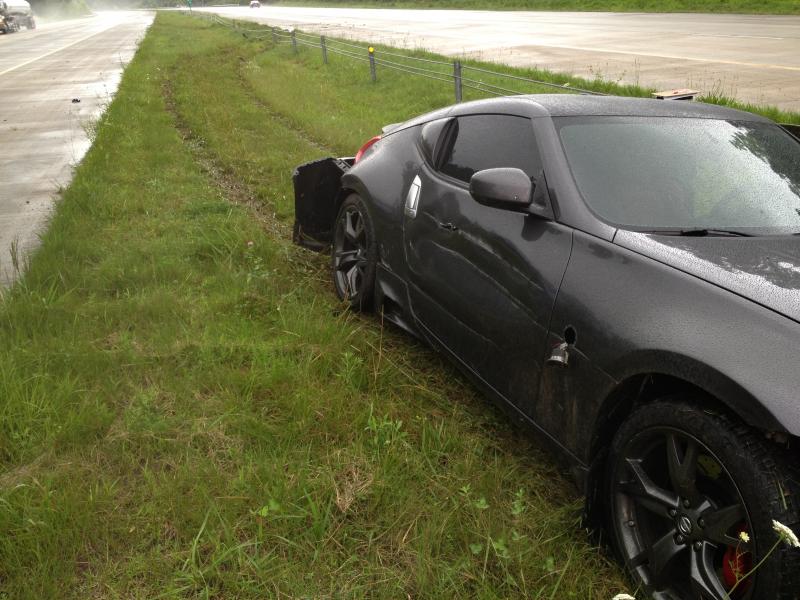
(255, 4)
(14, 14)
(624, 276)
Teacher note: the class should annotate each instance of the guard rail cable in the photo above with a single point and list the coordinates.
(456, 72)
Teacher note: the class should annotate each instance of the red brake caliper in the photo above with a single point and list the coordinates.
(736, 564)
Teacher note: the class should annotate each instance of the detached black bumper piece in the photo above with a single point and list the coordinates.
(316, 200)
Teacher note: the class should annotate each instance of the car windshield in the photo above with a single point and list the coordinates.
(686, 175)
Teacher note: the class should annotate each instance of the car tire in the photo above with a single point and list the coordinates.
(682, 484)
(354, 255)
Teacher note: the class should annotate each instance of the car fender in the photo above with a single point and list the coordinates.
(633, 315)
(704, 377)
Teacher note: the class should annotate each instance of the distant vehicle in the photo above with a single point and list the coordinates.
(255, 4)
(14, 14)
(621, 274)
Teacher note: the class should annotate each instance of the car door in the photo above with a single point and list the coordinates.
(483, 280)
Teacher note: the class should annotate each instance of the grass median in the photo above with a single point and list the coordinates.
(186, 411)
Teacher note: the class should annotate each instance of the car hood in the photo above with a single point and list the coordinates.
(765, 270)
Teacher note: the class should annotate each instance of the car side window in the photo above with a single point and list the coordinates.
(491, 141)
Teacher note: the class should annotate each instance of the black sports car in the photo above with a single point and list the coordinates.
(624, 276)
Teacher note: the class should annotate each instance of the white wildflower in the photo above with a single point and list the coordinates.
(786, 534)
(744, 536)
(623, 596)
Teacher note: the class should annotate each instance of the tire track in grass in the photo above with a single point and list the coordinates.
(314, 265)
(285, 121)
(233, 189)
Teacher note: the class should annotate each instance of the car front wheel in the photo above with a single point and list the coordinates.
(355, 254)
(691, 498)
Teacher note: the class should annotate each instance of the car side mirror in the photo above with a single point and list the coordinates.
(510, 189)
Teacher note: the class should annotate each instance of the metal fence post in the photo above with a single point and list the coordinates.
(274, 36)
(324, 49)
(457, 79)
(372, 72)
(294, 41)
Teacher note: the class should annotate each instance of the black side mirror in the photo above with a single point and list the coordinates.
(510, 189)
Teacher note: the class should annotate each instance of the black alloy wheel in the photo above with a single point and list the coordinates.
(691, 498)
(354, 255)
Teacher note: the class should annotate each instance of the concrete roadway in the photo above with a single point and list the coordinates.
(752, 58)
(42, 132)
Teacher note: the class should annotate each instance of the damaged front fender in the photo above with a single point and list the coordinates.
(317, 187)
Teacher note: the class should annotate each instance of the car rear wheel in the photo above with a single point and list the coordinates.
(691, 499)
(355, 254)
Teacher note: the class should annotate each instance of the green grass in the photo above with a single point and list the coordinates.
(778, 7)
(187, 412)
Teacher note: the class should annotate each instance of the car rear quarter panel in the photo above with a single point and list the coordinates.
(634, 315)
(382, 179)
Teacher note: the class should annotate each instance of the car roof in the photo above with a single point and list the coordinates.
(576, 105)
(573, 105)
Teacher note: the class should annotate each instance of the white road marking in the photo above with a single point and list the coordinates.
(746, 37)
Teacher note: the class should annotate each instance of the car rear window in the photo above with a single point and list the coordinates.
(678, 173)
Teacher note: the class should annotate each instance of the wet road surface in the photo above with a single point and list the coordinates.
(43, 134)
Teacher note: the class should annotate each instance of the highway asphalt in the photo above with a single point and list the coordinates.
(43, 133)
(752, 58)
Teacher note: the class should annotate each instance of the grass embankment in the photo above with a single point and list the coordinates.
(185, 411)
(352, 78)
(776, 7)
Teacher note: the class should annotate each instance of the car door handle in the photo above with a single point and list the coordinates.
(448, 226)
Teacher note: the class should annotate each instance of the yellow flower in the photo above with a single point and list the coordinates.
(744, 536)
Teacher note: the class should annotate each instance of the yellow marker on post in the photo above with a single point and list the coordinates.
(372, 72)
